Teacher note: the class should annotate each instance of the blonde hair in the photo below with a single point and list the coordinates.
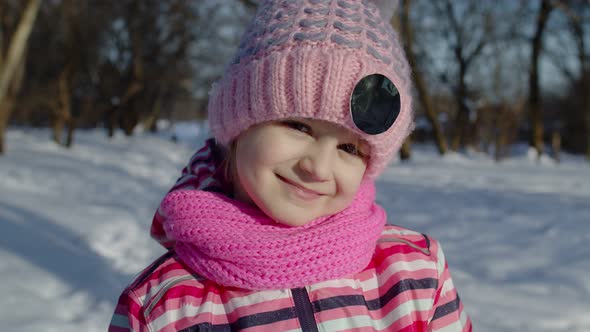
(228, 161)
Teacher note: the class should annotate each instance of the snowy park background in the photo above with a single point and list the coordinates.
(74, 227)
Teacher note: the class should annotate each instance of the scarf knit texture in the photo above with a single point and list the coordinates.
(236, 244)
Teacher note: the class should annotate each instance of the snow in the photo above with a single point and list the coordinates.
(74, 227)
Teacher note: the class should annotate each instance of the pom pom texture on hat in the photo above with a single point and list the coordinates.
(303, 58)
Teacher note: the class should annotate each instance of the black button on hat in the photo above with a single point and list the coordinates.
(375, 104)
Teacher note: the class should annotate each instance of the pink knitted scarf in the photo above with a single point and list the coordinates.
(236, 244)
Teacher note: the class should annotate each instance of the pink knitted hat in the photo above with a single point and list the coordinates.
(303, 58)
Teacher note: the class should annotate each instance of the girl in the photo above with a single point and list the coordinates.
(273, 225)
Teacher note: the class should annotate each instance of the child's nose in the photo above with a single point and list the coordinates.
(317, 163)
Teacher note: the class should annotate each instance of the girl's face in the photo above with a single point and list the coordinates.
(296, 170)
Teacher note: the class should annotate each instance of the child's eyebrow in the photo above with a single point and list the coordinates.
(352, 138)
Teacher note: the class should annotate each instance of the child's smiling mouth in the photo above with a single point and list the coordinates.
(299, 190)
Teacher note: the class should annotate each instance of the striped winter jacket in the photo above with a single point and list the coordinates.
(406, 287)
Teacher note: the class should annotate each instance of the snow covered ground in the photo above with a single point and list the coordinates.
(74, 228)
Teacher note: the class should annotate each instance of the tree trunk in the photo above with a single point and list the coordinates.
(588, 133)
(405, 153)
(128, 115)
(71, 123)
(424, 97)
(17, 47)
(2, 134)
(150, 122)
(586, 99)
(500, 144)
(12, 66)
(534, 102)
(575, 11)
(584, 59)
(63, 111)
(556, 145)
(129, 120)
(57, 125)
(9, 101)
(111, 120)
(502, 127)
(464, 52)
(586, 106)
(57, 128)
(461, 126)
(6, 106)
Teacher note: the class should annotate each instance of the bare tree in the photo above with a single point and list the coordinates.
(534, 99)
(468, 34)
(584, 78)
(578, 14)
(498, 76)
(419, 82)
(62, 105)
(156, 62)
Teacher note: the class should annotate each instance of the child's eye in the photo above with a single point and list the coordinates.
(299, 126)
(352, 149)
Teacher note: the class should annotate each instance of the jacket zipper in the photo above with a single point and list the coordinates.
(163, 291)
(304, 310)
(425, 251)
